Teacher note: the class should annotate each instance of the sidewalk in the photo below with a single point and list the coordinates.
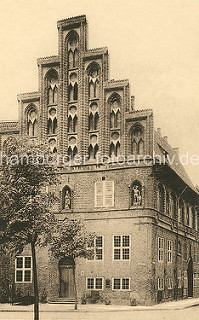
(172, 305)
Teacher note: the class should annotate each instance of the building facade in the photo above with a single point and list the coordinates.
(120, 181)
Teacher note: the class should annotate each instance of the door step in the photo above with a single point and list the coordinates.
(62, 301)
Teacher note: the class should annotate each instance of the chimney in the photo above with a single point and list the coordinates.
(132, 103)
(166, 138)
(176, 150)
(159, 131)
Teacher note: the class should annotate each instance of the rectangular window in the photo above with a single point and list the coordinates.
(94, 283)
(195, 277)
(160, 249)
(98, 247)
(160, 284)
(23, 269)
(121, 284)
(104, 194)
(169, 251)
(169, 284)
(121, 247)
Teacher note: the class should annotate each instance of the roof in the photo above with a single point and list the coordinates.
(161, 147)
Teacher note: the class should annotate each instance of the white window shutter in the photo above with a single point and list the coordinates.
(99, 194)
(108, 193)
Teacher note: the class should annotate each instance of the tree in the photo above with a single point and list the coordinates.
(70, 240)
(24, 201)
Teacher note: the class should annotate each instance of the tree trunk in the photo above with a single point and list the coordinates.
(36, 294)
(75, 287)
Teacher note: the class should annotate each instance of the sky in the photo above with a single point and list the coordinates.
(153, 43)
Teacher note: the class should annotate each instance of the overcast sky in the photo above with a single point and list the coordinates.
(153, 43)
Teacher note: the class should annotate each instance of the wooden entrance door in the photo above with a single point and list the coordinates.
(66, 282)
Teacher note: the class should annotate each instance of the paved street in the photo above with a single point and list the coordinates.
(186, 314)
(187, 309)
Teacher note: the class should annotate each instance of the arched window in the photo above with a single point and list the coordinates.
(52, 121)
(181, 207)
(53, 145)
(32, 122)
(193, 218)
(161, 198)
(93, 74)
(93, 147)
(114, 102)
(72, 149)
(167, 203)
(66, 198)
(93, 119)
(136, 194)
(115, 144)
(173, 206)
(72, 47)
(73, 87)
(137, 139)
(188, 219)
(52, 87)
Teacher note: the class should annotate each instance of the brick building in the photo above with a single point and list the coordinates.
(144, 211)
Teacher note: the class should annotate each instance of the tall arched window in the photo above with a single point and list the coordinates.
(32, 126)
(114, 103)
(52, 87)
(73, 87)
(173, 206)
(188, 219)
(115, 144)
(66, 198)
(137, 139)
(181, 207)
(52, 121)
(93, 79)
(167, 203)
(193, 218)
(93, 119)
(93, 147)
(73, 52)
(161, 198)
(136, 194)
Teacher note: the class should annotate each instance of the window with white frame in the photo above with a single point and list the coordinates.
(98, 248)
(195, 279)
(94, 283)
(169, 283)
(23, 269)
(121, 284)
(160, 249)
(169, 251)
(160, 284)
(121, 247)
(104, 194)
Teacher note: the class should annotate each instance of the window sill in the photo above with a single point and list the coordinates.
(72, 101)
(93, 99)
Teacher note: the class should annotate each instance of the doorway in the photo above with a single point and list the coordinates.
(190, 278)
(66, 280)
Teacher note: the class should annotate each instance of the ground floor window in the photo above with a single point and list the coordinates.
(160, 284)
(23, 269)
(94, 283)
(196, 279)
(121, 284)
(169, 283)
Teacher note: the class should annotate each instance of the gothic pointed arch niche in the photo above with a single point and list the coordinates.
(93, 72)
(32, 121)
(114, 103)
(72, 46)
(137, 141)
